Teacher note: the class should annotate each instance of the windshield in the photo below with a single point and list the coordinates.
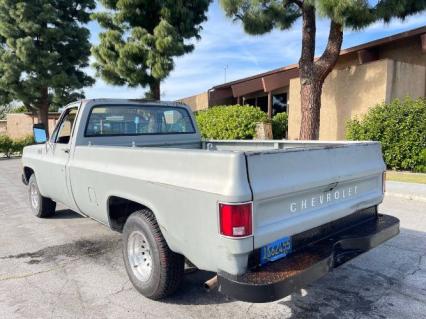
(122, 120)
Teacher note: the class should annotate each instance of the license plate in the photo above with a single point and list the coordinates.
(276, 250)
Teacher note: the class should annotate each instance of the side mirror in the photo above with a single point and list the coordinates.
(40, 135)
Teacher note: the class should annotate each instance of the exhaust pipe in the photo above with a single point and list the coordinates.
(210, 284)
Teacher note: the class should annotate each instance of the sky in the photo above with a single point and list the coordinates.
(224, 48)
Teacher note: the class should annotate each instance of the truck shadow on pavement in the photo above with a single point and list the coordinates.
(65, 214)
(192, 292)
(389, 281)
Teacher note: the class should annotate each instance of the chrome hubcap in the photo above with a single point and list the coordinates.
(34, 196)
(139, 254)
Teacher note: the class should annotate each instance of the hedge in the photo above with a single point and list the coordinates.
(9, 147)
(280, 125)
(230, 122)
(400, 126)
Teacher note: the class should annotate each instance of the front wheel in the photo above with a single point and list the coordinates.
(41, 207)
(154, 270)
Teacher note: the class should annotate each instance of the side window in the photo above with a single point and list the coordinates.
(63, 132)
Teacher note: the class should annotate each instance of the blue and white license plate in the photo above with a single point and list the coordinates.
(276, 250)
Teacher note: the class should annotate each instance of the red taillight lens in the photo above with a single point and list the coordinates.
(235, 220)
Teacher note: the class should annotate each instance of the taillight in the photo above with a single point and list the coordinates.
(235, 220)
(384, 182)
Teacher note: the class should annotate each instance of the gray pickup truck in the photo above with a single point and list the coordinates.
(268, 217)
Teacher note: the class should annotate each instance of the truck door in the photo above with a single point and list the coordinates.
(57, 155)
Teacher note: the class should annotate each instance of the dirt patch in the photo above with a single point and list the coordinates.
(80, 248)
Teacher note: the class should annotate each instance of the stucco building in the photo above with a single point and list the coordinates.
(20, 125)
(365, 75)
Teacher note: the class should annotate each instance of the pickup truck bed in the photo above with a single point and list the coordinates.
(290, 188)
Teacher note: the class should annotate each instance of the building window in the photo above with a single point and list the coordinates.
(251, 102)
(279, 103)
(262, 102)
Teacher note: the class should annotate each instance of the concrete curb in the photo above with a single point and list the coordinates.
(407, 196)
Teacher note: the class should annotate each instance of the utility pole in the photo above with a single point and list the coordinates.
(225, 69)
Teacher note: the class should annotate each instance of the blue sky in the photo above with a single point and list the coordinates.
(224, 43)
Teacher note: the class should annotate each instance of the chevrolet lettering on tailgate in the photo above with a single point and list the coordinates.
(323, 199)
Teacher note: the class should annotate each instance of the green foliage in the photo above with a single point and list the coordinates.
(400, 126)
(9, 147)
(6, 145)
(261, 16)
(19, 109)
(18, 145)
(44, 48)
(7, 108)
(230, 122)
(4, 110)
(280, 125)
(5, 96)
(64, 97)
(388, 9)
(143, 36)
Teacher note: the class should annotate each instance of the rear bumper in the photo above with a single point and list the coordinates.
(309, 263)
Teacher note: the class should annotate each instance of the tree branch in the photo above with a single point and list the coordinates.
(328, 59)
(299, 3)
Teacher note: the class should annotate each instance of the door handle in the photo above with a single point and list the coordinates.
(66, 150)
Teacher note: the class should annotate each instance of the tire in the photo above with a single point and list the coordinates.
(154, 270)
(41, 207)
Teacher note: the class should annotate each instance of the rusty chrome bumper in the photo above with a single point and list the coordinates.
(309, 263)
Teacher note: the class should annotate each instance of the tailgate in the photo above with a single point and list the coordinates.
(301, 188)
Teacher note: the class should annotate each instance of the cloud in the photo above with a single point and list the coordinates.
(224, 43)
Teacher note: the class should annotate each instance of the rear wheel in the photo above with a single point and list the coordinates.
(154, 270)
(41, 207)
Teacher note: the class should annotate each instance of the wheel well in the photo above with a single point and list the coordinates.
(28, 172)
(119, 209)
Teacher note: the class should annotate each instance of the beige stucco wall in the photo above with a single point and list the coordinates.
(407, 50)
(20, 125)
(294, 115)
(347, 93)
(197, 102)
(406, 79)
(3, 125)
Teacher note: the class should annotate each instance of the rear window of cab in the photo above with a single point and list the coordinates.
(129, 120)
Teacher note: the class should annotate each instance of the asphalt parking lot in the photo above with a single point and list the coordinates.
(71, 267)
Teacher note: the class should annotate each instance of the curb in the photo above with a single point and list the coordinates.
(407, 196)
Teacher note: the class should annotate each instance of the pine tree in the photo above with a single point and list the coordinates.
(44, 47)
(261, 16)
(143, 36)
